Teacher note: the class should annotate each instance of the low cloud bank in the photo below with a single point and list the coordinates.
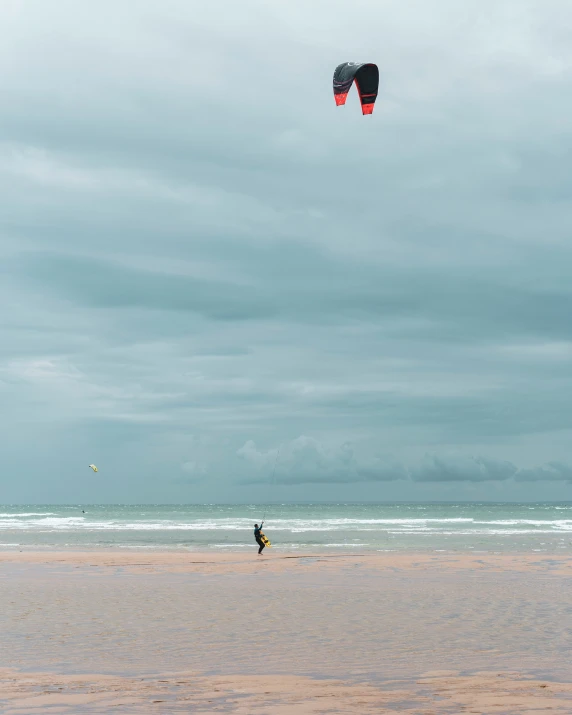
(305, 460)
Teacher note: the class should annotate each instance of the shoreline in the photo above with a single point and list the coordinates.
(472, 528)
(183, 561)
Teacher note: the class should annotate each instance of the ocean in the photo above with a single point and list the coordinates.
(292, 527)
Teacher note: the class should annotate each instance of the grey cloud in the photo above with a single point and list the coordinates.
(551, 472)
(108, 285)
(439, 308)
(462, 469)
(307, 461)
(194, 473)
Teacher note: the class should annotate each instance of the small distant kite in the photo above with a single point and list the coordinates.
(366, 77)
(92, 466)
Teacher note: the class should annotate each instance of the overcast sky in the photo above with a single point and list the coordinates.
(203, 261)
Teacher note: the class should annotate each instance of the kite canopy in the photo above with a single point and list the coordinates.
(93, 467)
(366, 77)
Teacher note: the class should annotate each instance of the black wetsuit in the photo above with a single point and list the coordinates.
(258, 539)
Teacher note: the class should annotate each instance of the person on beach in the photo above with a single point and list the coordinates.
(257, 532)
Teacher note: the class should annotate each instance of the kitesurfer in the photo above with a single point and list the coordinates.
(257, 532)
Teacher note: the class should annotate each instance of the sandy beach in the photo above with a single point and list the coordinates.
(294, 276)
(161, 632)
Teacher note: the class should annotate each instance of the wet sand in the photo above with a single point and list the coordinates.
(165, 632)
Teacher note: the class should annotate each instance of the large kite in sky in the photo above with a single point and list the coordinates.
(366, 77)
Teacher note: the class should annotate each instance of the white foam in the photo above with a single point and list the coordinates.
(26, 513)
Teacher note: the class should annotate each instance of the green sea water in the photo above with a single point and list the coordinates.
(292, 527)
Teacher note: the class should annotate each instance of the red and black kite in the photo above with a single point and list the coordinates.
(366, 77)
